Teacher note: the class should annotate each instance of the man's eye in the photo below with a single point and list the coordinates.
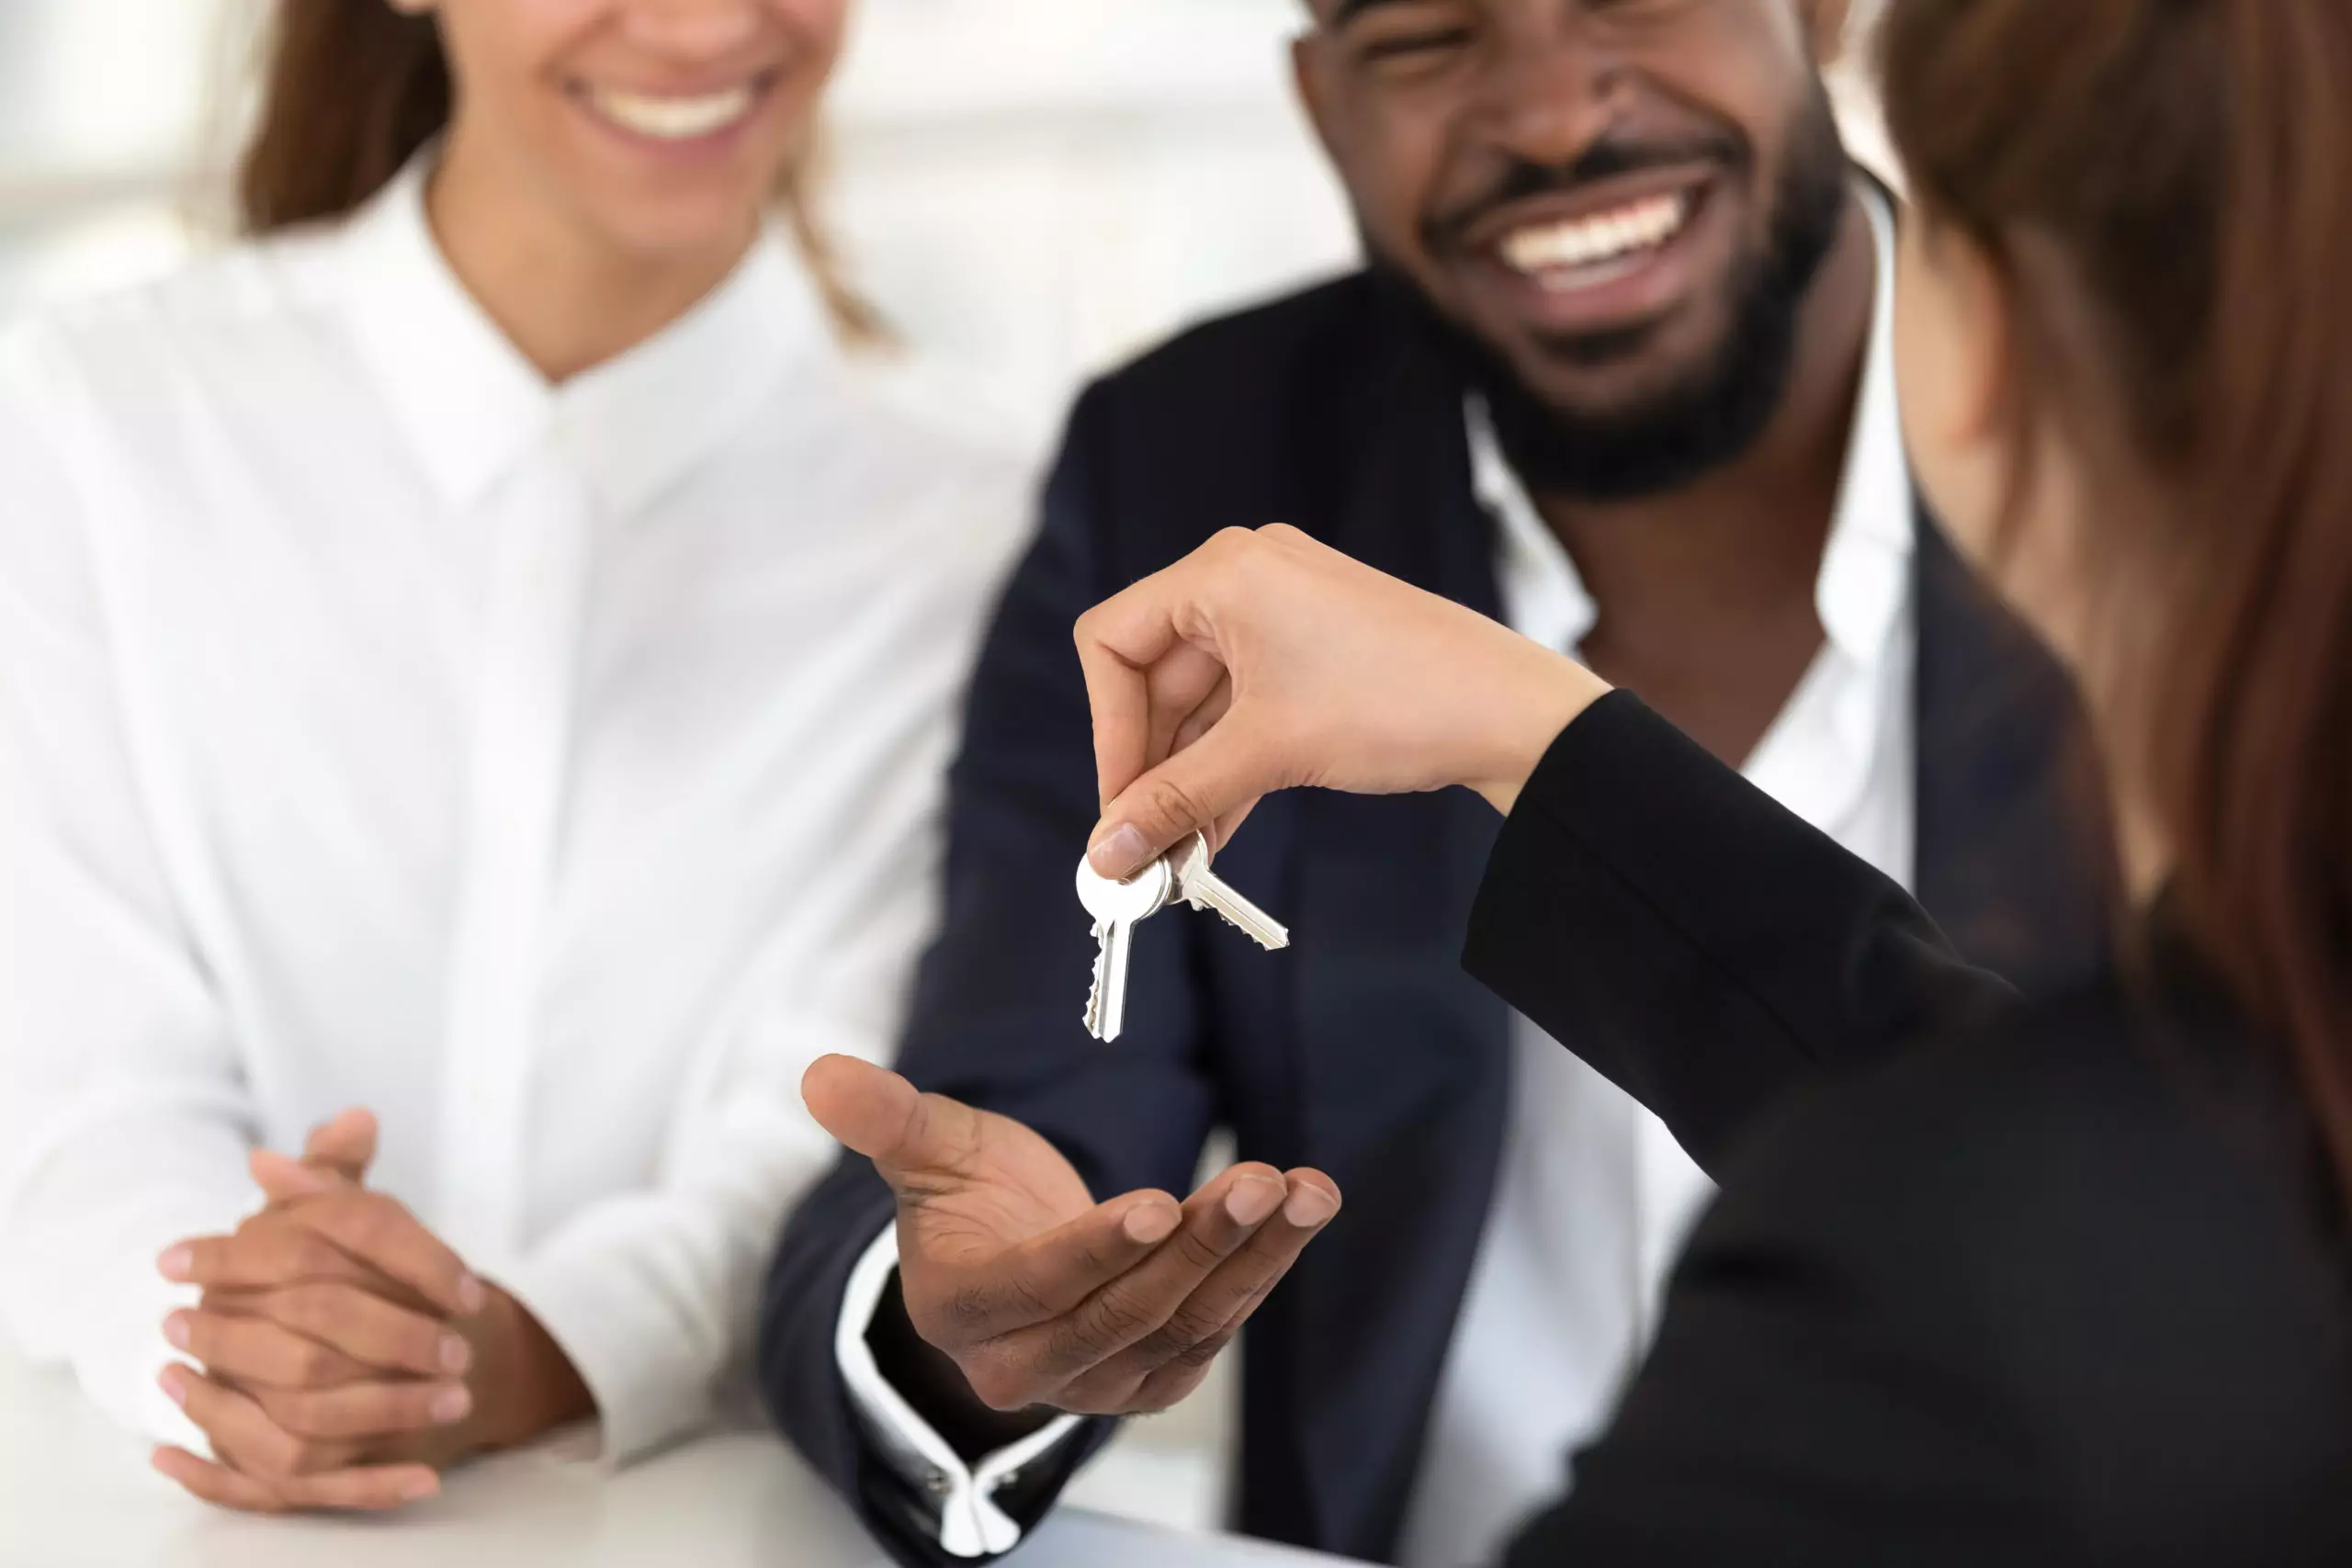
(1416, 47)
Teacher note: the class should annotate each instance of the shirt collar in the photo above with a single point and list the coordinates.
(473, 408)
(1866, 561)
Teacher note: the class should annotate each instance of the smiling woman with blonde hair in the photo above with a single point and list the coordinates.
(476, 663)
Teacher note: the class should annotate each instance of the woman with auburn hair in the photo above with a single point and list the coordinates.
(476, 663)
(1988, 1282)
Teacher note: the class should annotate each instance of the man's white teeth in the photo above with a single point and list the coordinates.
(673, 119)
(1545, 251)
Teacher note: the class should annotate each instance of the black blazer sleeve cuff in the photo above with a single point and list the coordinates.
(1697, 944)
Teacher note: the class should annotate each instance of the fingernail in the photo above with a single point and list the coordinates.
(177, 1263)
(1310, 1207)
(420, 1488)
(1151, 1223)
(451, 1405)
(471, 1295)
(1252, 1199)
(175, 1330)
(1122, 853)
(169, 1382)
(456, 1354)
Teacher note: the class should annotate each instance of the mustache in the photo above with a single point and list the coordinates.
(1604, 159)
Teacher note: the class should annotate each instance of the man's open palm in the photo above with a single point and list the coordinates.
(1041, 1295)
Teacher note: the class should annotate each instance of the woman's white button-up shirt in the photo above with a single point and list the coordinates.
(553, 771)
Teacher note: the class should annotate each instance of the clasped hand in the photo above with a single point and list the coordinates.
(335, 1333)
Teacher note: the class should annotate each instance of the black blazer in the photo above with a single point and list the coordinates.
(1989, 1282)
(1364, 1051)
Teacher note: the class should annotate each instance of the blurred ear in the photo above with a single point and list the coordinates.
(1310, 58)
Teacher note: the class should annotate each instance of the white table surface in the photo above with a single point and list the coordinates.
(77, 1492)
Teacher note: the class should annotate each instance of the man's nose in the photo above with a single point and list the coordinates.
(1545, 97)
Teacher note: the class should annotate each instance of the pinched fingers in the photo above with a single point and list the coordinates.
(1047, 1362)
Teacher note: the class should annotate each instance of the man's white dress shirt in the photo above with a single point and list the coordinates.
(554, 771)
(1595, 1196)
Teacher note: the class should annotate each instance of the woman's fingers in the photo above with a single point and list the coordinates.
(217, 1483)
(344, 1234)
(380, 1232)
(245, 1438)
(254, 1350)
(1217, 778)
(1124, 639)
(362, 1489)
(364, 1412)
(370, 1329)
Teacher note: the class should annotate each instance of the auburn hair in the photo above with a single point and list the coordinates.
(2187, 165)
(352, 89)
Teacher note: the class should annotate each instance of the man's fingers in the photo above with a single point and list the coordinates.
(1164, 1366)
(1136, 1305)
(957, 1307)
(250, 1349)
(364, 1411)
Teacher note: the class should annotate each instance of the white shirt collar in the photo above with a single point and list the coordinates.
(474, 407)
(1866, 561)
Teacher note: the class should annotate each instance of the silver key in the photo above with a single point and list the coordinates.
(1118, 908)
(1203, 890)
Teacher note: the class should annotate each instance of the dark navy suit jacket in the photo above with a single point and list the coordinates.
(1364, 1051)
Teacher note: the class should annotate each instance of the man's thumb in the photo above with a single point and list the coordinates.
(868, 1110)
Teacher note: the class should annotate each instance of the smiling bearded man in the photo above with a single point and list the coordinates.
(1619, 373)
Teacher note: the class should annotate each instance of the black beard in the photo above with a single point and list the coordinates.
(1708, 418)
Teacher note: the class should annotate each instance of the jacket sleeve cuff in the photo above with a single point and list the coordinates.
(970, 1522)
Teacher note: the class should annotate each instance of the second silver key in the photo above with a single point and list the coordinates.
(1206, 890)
(1118, 908)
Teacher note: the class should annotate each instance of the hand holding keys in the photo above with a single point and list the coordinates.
(1119, 906)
